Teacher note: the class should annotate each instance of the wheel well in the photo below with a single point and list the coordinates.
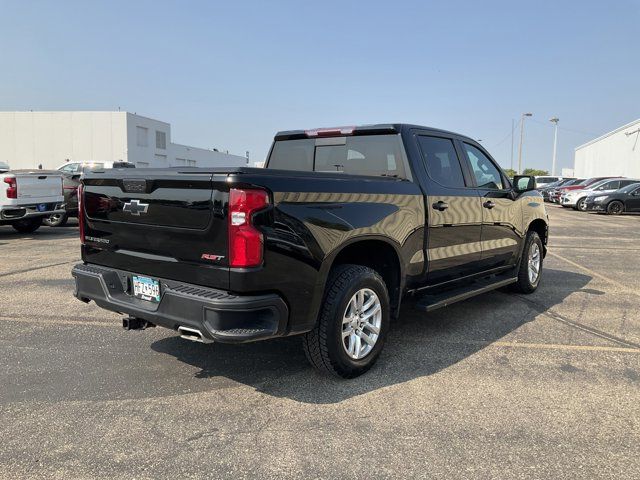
(379, 256)
(540, 227)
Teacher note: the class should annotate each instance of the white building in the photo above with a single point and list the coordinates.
(30, 139)
(616, 153)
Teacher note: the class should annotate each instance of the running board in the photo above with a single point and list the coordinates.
(428, 303)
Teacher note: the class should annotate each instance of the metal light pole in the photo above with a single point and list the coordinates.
(513, 127)
(555, 121)
(521, 140)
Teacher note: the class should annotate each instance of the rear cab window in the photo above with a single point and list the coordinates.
(441, 160)
(373, 155)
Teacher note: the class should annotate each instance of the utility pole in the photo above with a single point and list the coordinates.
(513, 127)
(521, 140)
(555, 121)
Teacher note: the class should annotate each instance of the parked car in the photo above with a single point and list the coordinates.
(76, 168)
(626, 199)
(28, 196)
(577, 198)
(71, 173)
(555, 192)
(579, 186)
(546, 190)
(325, 241)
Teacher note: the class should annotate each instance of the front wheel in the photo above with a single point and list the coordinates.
(530, 269)
(615, 208)
(582, 204)
(27, 225)
(352, 324)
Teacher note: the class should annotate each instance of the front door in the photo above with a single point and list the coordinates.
(632, 203)
(501, 214)
(454, 214)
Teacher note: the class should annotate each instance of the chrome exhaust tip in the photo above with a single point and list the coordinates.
(193, 334)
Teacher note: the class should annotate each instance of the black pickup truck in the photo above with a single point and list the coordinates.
(324, 242)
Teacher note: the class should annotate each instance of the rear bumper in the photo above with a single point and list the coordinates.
(19, 212)
(218, 315)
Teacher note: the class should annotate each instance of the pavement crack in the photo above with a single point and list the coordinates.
(542, 309)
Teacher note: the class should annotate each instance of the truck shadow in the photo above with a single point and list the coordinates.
(418, 345)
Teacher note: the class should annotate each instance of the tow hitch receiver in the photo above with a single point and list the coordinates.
(133, 323)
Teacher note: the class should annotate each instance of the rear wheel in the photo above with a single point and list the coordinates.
(56, 220)
(615, 208)
(27, 225)
(352, 325)
(530, 269)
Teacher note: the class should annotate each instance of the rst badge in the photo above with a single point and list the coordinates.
(211, 256)
(134, 207)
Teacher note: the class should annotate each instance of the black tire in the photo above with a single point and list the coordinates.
(59, 220)
(524, 284)
(581, 204)
(615, 208)
(323, 345)
(28, 225)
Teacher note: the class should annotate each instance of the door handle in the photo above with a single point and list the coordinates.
(440, 206)
(488, 204)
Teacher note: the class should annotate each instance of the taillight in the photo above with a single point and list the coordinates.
(245, 241)
(12, 189)
(81, 213)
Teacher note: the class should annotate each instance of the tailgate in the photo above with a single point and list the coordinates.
(36, 188)
(169, 224)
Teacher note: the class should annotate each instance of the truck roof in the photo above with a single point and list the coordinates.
(373, 129)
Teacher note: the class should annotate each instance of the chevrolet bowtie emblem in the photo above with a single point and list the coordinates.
(134, 207)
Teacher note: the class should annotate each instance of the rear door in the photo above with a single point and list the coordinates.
(454, 215)
(501, 214)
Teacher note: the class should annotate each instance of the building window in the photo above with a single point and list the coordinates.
(141, 133)
(161, 140)
(191, 163)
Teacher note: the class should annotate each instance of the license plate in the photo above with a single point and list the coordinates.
(146, 288)
(42, 207)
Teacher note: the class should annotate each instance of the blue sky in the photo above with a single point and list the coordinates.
(230, 74)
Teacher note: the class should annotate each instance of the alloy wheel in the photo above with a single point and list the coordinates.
(535, 261)
(361, 323)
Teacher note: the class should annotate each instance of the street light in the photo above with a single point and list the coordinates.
(521, 140)
(555, 121)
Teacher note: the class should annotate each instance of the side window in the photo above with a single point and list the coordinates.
(443, 165)
(69, 168)
(609, 185)
(626, 183)
(486, 173)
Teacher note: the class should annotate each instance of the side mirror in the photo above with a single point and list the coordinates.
(524, 183)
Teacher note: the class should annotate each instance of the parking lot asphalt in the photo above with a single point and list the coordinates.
(499, 386)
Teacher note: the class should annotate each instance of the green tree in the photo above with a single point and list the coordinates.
(534, 171)
(510, 172)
